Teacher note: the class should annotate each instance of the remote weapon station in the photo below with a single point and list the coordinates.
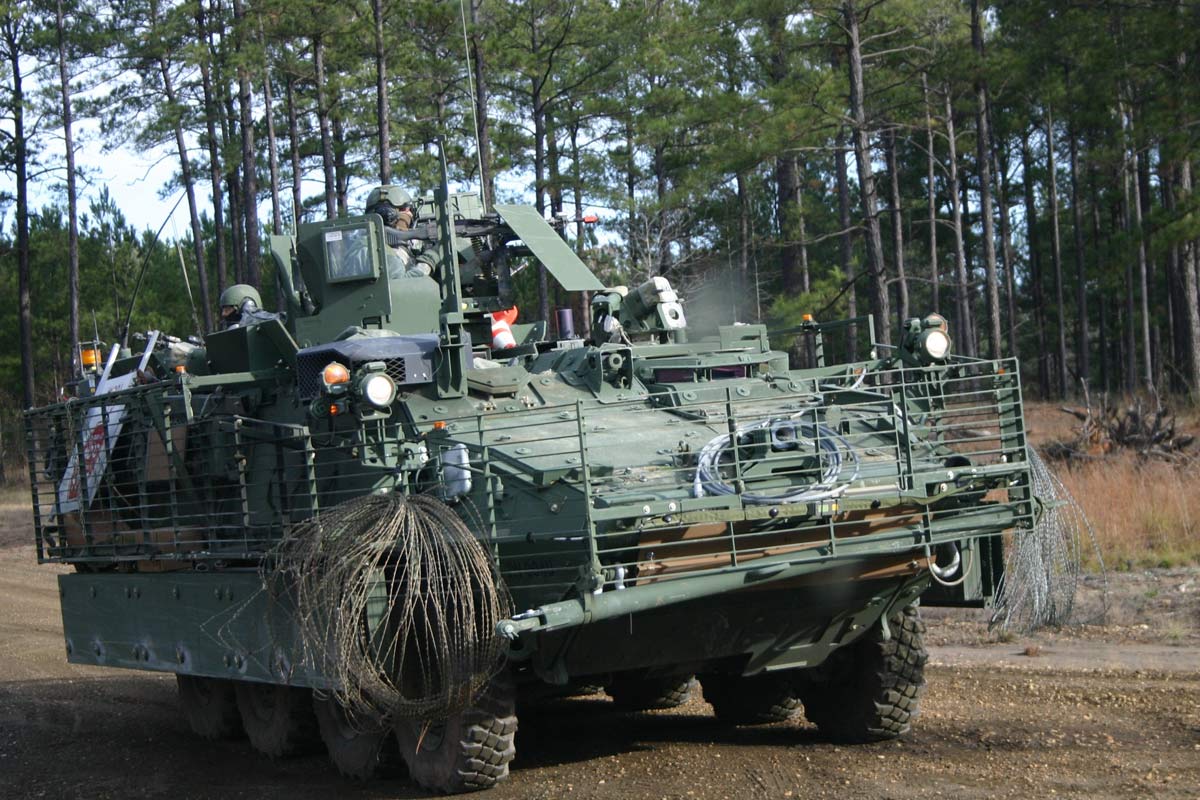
(379, 519)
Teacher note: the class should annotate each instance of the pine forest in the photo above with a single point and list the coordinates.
(1023, 167)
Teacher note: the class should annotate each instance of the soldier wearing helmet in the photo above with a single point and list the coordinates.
(395, 206)
(241, 305)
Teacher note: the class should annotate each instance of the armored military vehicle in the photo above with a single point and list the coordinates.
(371, 510)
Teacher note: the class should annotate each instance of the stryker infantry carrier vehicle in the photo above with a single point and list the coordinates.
(368, 520)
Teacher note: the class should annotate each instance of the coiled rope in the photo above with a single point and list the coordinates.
(834, 447)
(397, 604)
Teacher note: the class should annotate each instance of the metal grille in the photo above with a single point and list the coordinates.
(397, 370)
(308, 374)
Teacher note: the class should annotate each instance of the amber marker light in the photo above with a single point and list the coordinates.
(90, 358)
(335, 376)
(806, 318)
(439, 425)
(333, 409)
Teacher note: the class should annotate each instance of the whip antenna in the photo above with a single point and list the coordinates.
(187, 284)
(474, 100)
(142, 271)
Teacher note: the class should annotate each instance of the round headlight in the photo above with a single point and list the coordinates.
(935, 344)
(379, 390)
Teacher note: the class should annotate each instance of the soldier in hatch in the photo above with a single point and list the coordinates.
(241, 306)
(395, 206)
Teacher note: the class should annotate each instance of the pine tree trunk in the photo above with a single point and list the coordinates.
(72, 194)
(294, 153)
(1128, 340)
(868, 194)
(1191, 281)
(787, 179)
(802, 234)
(214, 156)
(185, 174)
(930, 179)
(341, 171)
(741, 289)
(983, 147)
(382, 101)
(1035, 267)
(962, 286)
(553, 166)
(273, 164)
(237, 223)
(539, 192)
(1143, 272)
(233, 184)
(663, 255)
(555, 195)
(323, 121)
(1177, 345)
(1056, 256)
(630, 192)
(482, 124)
(1008, 254)
(584, 318)
(846, 241)
(1082, 365)
(897, 228)
(786, 186)
(21, 168)
(249, 164)
(272, 148)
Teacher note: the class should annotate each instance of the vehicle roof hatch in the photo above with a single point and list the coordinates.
(548, 246)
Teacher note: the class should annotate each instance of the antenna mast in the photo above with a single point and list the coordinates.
(474, 101)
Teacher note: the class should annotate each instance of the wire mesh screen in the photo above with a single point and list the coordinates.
(1043, 564)
(135, 475)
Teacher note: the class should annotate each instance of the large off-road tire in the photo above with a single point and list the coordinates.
(210, 706)
(872, 689)
(355, 751)
(279, 720)
(468, 751)
(640, 693)
(755, 700)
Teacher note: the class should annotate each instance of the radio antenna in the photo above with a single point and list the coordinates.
(462, 7)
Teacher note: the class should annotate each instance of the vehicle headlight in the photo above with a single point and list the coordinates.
(934, 344)
(379, 390)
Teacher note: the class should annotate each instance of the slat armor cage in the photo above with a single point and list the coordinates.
(699, 478)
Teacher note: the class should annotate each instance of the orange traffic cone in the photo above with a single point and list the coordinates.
(502, 335)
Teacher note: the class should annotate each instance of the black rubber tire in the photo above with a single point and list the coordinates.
(355, 752)
(278, 720)
(468, 751)
(873, 688)
(754, 700)
(640, 693)
(210, 706)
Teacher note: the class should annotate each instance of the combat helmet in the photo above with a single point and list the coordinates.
(392, 195)
(238, 294)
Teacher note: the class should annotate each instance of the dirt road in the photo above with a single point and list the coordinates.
(1100, 712)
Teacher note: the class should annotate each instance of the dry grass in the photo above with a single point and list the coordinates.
(14, 494)
(1145, 514)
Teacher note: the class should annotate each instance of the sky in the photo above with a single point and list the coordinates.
(135, 181)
